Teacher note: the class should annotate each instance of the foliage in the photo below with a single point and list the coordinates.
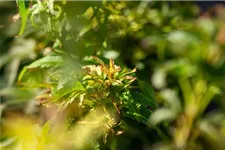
(67, 86)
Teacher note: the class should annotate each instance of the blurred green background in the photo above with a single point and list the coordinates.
(177, 47)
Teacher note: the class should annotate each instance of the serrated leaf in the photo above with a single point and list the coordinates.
(146, 105)
(99, 61)
(24, 12)
(33, 78)
(66, 89)
(46, 62)
(36, 8)
(147, 90)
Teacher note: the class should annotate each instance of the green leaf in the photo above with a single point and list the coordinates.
(24, 12)
(84, 30)
(148, 92)
(22, 74)
(113, 144)
(66, 89)
(36, 9)
(32, 78)
(35, 77)
(145, 105)
(94, 145)
(44, 138)
(45, 130)
(207, 97)
(186, 91)
(46, 62)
